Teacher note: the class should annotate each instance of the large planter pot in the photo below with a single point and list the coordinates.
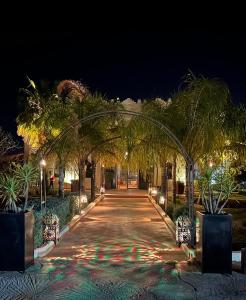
(16, 241)
(214, 242)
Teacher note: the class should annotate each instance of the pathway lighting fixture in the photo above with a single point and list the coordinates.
(83, 198)
(50, 228)
(102, 190)
(161, 200)
(183, 233)
(154, 191)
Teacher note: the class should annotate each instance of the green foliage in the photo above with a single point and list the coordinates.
(14, 183)
(170, 209)
(216, 185)
(9, 192)
(26, 174)
(180, 211)
(65, 209)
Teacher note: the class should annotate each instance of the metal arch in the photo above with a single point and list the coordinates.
(170, 134)
(123, 112)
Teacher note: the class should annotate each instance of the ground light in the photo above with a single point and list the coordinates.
(83, 198)
(153, 191)
(161, 200)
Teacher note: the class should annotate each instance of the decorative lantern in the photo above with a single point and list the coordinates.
(161, 200)
(50, 228)
(102, 190)
(83, 198)
(183, 234)
(154, 191)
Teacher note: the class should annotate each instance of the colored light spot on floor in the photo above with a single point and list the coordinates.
(60, 276)
(51, 269)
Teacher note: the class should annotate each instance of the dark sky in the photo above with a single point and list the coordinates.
(123, 64)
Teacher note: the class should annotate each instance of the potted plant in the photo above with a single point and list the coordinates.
(214, 226)
(16, 223)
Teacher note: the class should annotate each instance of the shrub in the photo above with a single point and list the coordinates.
(169, 210)
(65, 209)
(182, 210)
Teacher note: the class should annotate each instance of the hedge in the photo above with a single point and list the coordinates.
(65, 209)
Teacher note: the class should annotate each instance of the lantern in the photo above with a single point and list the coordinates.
(154, 191)
(161, 200)
(50, 227)
(83, 198)
(102, 190)
(183, 234)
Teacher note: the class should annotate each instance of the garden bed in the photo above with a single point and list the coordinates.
(236, 207)
(65, 209)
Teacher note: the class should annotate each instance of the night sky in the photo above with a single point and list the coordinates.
(123, 64)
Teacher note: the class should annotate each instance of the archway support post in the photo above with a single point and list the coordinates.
(191, 204)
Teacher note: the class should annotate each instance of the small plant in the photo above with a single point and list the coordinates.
(9, 192)
(216, 185)
(26, 175)
(16, 183)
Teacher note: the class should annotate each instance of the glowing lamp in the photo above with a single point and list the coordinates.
(43, 162)
(83, 198)
(161, 200)
(102, 190)
(183, 234)
(154, 191)
(50, 227)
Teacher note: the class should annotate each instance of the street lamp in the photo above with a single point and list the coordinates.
(42, 184)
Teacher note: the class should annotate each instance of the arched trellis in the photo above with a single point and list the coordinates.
(189, 162)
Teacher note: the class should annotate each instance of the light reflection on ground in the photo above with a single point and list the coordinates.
(121, 250)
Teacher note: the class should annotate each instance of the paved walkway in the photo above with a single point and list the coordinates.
(121, 228)
(121, 250)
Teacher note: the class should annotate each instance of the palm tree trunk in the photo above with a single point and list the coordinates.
(61, 180)
(27, 149)
(174, 177)
(82, 174)
(164, 183)
(93, 181)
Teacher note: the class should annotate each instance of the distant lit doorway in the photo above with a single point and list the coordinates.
(127, 179)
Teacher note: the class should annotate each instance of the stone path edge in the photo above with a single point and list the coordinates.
(190, 253)
(45, 249)
(171, 226)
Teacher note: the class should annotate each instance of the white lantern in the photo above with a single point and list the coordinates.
(183, 234)
(161, 200)
(83, 198)
(154, 191)
(50, 227)
(102, 190)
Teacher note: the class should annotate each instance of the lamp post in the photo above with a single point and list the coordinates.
(42, 185)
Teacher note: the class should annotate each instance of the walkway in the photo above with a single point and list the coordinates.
(121, 228)
(121, 250)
